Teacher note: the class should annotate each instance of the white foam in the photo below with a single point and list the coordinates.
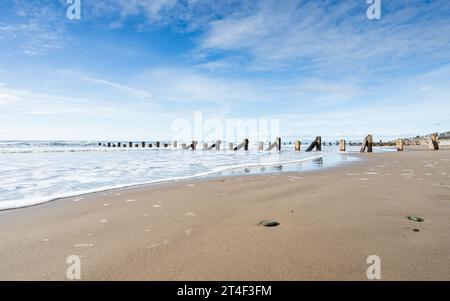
(43, 176)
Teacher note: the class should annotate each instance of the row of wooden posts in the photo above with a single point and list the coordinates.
(366, 145)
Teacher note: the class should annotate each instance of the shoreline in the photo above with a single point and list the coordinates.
(200, 176)
(208, 229)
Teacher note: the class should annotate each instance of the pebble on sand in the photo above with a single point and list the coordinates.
(416, 218)
(269, 223)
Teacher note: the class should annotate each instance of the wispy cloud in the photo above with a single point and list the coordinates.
(34, 28)
(324, 38)
(230, 59)
(123, 88)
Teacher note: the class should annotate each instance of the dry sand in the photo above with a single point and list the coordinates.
(331, 221)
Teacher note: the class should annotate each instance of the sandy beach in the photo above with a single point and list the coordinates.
(331, 220)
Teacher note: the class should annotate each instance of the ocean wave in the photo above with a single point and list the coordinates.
(26, 202)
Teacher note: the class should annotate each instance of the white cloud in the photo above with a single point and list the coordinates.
(123, 88)
(331, 39)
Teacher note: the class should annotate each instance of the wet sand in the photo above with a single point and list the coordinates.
(331, 220)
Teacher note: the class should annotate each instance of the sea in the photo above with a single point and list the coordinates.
(35, 172)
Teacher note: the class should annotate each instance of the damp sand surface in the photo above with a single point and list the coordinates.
(330, 221)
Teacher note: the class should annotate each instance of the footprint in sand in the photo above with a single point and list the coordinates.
(77, 199)
(129, 201)
(353, 174)
(102, 221)
(189, 214)
(83, 245)
(163, 243)
(46, 239)
(364, 179)
(372, 173)
(188, 231)
(156, 206)
(147, 230)
(190, 185)
(106, 205)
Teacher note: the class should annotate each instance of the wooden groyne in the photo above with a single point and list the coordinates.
(366, 145)
(316, 144)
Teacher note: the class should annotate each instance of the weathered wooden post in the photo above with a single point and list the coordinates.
(276, 144)
(109, 144)
(433, 142)
(367, 143)
(194, 145)
(166, 145)
(317, 144)
(230, 145)
(130, 144)
(261, 146)
(119, 144)
(143, 144)
(150, 145)
(342, 145)
(205, 146)
(400, 144)
(157, 144)
(244, 145)
(183, 145)
(298, 145)
(215, 145)
(174, 144)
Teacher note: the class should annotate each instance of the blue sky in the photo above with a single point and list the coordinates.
(127, 69)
